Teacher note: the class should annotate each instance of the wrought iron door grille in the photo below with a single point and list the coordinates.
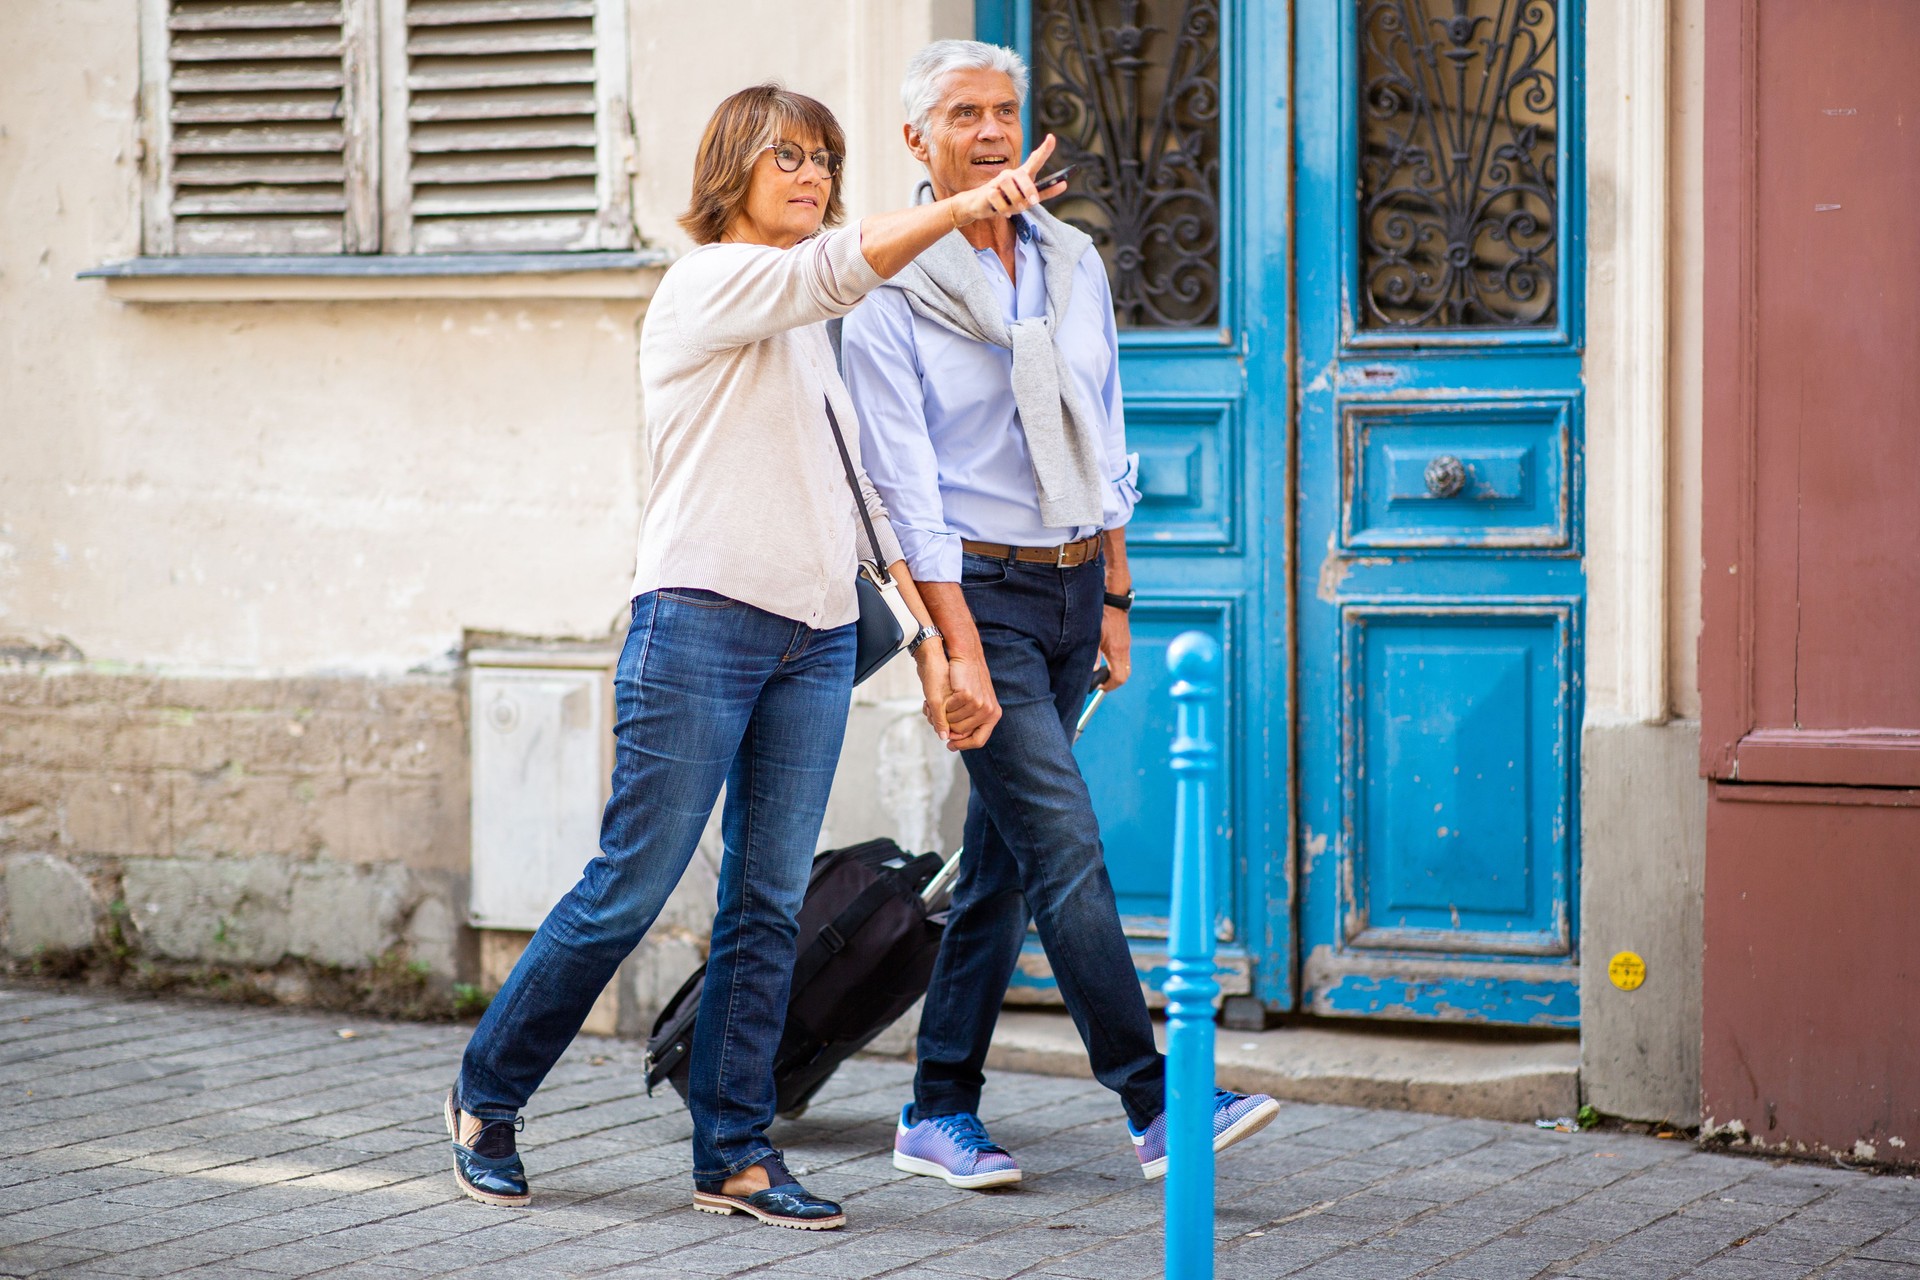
(1459, 130)
(1131, 88)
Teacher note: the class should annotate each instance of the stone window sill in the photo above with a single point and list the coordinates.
(365, 277)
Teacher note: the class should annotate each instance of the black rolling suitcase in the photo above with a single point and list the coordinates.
(867, 945)
(869, 930)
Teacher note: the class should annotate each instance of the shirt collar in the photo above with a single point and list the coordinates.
(1025, 230)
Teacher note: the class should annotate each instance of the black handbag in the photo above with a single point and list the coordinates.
(886, 624)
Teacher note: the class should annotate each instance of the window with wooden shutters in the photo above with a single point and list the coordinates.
(503, 126)
(266, 117)
(385, 126)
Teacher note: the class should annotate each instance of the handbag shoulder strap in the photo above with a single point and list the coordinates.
(853, 483)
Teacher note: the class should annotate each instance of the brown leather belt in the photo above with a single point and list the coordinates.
(1070, 556)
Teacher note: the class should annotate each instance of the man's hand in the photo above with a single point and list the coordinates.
(1116, 646)
(972, 708)
(1011, 191)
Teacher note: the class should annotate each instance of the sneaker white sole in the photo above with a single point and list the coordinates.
(707, 1202)
(965, 1181)
(472, 1192)
(1245, 1127)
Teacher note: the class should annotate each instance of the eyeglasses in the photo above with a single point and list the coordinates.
(788, 157)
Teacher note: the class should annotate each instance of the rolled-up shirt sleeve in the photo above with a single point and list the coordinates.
(1123, 468)
(882, 370)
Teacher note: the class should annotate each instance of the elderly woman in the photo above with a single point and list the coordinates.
(739, 659)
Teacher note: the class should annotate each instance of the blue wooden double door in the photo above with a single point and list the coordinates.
(1344, 240)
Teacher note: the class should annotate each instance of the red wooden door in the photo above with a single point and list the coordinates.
(1810, 656)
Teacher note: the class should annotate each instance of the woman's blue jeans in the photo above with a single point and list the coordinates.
(709, 690)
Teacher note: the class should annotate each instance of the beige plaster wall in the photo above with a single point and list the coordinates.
(291, 487)
(276, 486)
(1642, 802)
(847, 53)
(1686, 221)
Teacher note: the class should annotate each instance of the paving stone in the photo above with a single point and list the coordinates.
(160, 1260)
(33, 1259)
(1789, 1242)
(1730, 1267)
(1366, 1263)
(1869, 1269)
(1893, 1248)
(842, 1264)
(1273, 1253)
(1137, 1255)
(173, 1139)
(1511, 1258)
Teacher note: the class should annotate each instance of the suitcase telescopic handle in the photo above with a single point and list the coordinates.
(943, 878)
(1095, 696)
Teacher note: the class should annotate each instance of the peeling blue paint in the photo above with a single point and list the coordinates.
(1508, 1001)
(1439, 690)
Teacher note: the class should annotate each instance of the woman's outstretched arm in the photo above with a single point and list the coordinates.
(889, 241)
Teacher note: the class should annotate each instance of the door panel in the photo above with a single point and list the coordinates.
(1810, 580)
(1814, 566)
(1440, 588)
(1458, 736)
(1174, 110)
(1189, 450)
(1133, 792)
(1457, 474)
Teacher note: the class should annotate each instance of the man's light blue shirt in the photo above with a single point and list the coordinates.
(939, 432)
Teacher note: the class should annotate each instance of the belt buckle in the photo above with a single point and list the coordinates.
(1060, 555)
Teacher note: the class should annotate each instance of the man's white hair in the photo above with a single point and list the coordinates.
(920, 91)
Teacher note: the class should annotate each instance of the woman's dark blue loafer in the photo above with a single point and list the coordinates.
(485, 1163)
(785, 1203)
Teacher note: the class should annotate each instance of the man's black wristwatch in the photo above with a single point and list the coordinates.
(1122, 603)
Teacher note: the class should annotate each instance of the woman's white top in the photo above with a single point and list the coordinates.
(749, 497)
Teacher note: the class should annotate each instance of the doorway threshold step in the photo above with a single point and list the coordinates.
(1487, 1074)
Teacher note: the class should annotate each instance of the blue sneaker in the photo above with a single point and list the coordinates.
(955, 1149)
(1235, 1116)
(485, 1163)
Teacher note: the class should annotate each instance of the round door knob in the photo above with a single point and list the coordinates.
(1446, 476)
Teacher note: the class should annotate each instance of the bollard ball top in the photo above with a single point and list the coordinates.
(1194, 656)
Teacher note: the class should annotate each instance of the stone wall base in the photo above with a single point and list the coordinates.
(308, 840)
(1642, 872)
(298, 840)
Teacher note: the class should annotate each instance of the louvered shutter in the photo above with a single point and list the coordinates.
(505, 127)
(270, 127)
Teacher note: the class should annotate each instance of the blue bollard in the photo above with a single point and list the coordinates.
(1194, 660)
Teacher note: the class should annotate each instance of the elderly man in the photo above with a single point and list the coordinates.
(988, 384)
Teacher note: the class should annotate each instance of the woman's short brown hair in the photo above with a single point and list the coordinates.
(742, 126)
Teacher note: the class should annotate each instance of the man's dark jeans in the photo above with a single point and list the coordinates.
(1032, 844)
(709, 690)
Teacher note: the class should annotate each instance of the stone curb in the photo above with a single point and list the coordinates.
(1453, 1075)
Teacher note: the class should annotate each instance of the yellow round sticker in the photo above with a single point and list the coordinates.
(1627, 970)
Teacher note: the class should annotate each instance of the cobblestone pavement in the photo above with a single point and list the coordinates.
(160, 1138)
